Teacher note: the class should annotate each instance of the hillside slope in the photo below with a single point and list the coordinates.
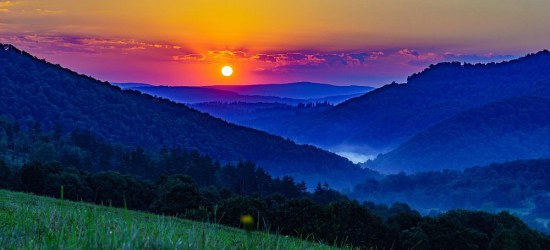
(385, 117)
(32, 222)
(501, 131)
(34, 90)
(521, 187)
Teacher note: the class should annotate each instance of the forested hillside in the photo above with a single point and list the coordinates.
(385, 117)
(501, 131)
(518, 186)
(81, 167)
(33, 90)
(262, 116)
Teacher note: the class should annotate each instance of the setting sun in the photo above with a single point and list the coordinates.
(227, 71)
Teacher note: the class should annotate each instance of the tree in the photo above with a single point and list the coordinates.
(43, 152)
(414, 238)
(176, 195)
(323, 194)
(5, 175)
(121, 190)
(33, 176)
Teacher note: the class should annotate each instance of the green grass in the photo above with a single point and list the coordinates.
(34, 222)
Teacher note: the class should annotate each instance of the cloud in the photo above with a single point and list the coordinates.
(265, 58)
(189, 57)
(408, 52)
(376, 65)
(376, 54)
(92, 45)
(282, 61)
(311, 60)
(67, 46)
(295, 56)
(227, 53)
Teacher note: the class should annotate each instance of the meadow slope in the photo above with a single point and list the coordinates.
(33, 222)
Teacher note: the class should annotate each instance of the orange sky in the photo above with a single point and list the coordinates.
(346, 42)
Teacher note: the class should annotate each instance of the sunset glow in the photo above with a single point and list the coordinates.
(342, 42)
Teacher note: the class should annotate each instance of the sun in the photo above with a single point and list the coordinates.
(227, 71)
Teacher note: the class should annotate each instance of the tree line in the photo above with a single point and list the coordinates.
(190, 185)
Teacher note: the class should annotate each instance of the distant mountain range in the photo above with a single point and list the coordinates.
(517, 128)
(262, 116)
(297, 90)
(191, 95)
(34, 90)
(451, 115)
(289, 93)
(383, 119)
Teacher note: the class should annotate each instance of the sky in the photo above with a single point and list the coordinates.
(359, 42)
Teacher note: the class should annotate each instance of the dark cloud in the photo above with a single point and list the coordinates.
(334, 59)
(361, 57)
(308, 60)
(265, 58)
(295, 56)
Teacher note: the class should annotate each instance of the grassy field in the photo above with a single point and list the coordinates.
(34, 222)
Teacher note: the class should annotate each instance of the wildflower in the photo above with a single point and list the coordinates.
(247, 221)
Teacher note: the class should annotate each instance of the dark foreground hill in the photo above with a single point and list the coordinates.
(85, 228)
(506, 130)
(388, 116)
(203, 190)
(33, 89)
(49, 223)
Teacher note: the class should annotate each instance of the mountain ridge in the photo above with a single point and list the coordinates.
(34, 89)
(298, 90)
(384, 118)
(501, 131)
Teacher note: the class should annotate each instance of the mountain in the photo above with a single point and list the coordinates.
(334, 99)
(382, 119)
(130, 85)
(34, 90)
(189, 95)
(501, 131)
(262, 116)
(305, 93)
(297, 90)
